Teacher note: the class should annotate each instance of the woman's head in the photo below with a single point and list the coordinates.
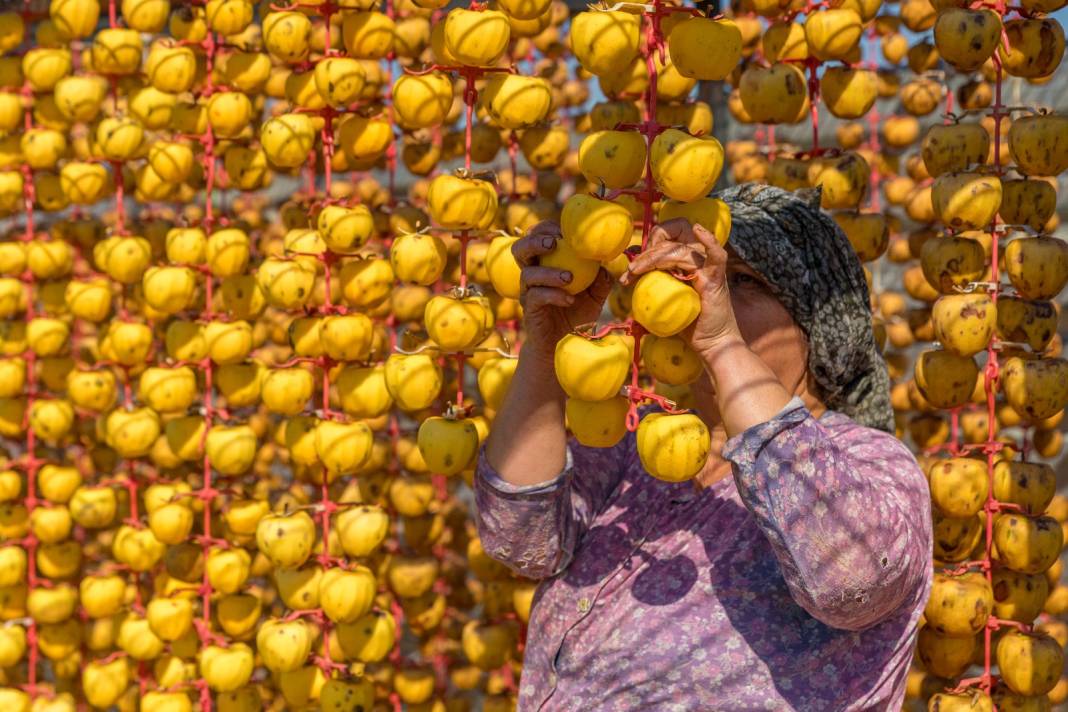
(801, 300)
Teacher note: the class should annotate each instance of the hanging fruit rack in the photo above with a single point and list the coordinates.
(652, 47)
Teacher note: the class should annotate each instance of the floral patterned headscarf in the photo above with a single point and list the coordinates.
(813, 270)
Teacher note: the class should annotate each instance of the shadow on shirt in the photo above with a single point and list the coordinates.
(732, 563)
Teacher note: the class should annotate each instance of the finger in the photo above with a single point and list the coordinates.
(539, 297)
(543, 277)
(654, 252)
(666, 256)
(674, 230)
(545, 227)
(648, 259)
(715, 252)
(527, 249)
(601, 287)
(705, 283)
(712, 286)
(682, 266)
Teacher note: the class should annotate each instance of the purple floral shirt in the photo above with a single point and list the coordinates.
(796, 584)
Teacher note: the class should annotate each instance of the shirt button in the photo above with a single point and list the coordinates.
(583, 605)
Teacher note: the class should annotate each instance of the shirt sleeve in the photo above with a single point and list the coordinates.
(847, 513)
(534, 529)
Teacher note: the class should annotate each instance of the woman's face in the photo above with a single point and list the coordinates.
(766, 326)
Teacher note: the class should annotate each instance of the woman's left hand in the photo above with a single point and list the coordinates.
(678, 246)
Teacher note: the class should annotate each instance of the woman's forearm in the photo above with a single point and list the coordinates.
(528, 443)
(747, 391)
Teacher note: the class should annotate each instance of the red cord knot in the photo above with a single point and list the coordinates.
(43, 691)
(441, 487)
(967, 566)
(996, 623)
(969, 682)
(206, 635)
(28, 462)
(632, 416)
(327, 665)
(441, 587)
(210, 541)
(206, 493)
(992, 448)
(333, 562)
(991, 372)
(113, 657)
(316, 614)
(41, 583)
(997, 506)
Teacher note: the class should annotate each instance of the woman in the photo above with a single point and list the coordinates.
(791, 574)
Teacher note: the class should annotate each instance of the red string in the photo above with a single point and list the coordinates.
(207, 492)
(653, 48)
(460, 359)
(990, 377)
(513, 153)
(391, 150)
(470, 98)
(873, 132)
(811, 65)
(814, 101)
(32, 462)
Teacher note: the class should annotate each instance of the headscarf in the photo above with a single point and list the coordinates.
(812, 269)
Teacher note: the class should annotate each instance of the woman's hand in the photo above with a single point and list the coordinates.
(747, 392)
(549, 312)
(677, 246)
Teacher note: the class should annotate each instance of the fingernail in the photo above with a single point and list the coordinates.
(570, 300)
(548, 243)
(565, 277)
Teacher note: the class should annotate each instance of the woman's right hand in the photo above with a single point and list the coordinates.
(549, 312)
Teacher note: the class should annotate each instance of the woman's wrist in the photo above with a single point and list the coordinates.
(718, 353)
(747, 391)
(536, 365)
(539, 355)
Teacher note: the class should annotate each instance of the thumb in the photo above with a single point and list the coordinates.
(717, 311)
(714, 251)
(601, 287)
(711, 285)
